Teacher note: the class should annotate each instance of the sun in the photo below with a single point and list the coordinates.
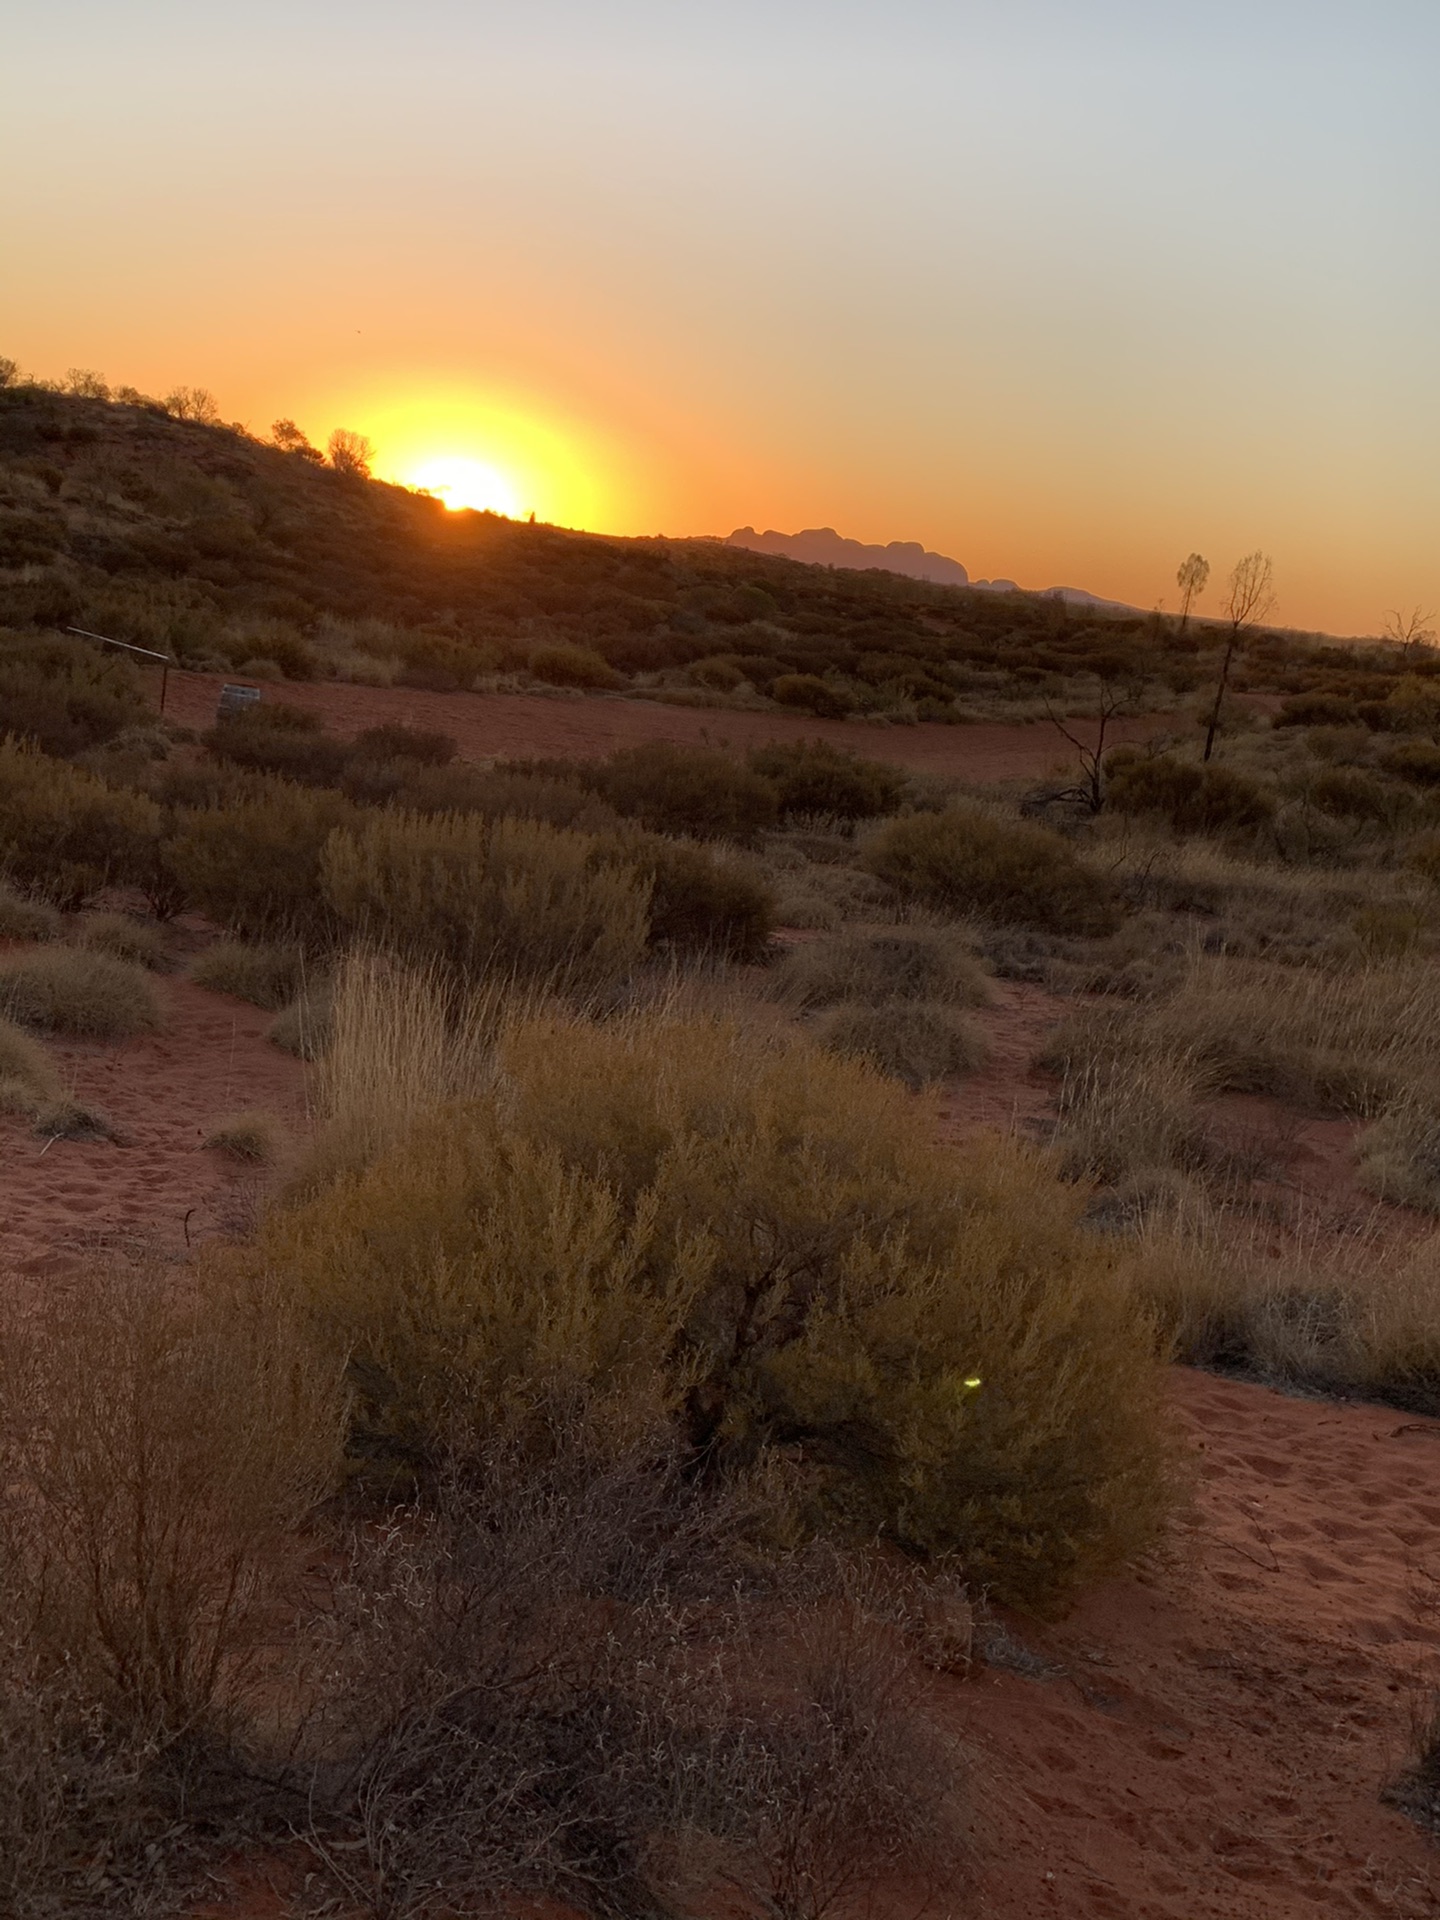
(462, 482)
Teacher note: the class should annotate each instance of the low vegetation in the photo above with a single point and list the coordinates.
(254, 1136)
(914, 1040)
(81, 994)
(970, 860)
(901, 963)
(266, 976)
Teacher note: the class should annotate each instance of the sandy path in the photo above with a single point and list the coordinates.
(63, 1200)
(1214, 1740)
(521, 725)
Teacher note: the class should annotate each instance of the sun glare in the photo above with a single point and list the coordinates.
(461, 482)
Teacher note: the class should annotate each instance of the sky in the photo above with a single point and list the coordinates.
(1065, 289)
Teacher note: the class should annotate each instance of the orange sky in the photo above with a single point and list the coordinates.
(1062, 292)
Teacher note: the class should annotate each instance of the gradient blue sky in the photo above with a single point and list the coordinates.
(1062, 290)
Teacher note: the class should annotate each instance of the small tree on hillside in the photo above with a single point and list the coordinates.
(1409, 630)
(1191, 579)
(288, 437)
(1252, 595)
(9, 371)
(193, 403)
(351, 453)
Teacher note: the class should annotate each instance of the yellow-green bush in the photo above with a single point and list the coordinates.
(266, 976)
(766, 1243)
(64, 833)
(915, 1041)
(514, 896)
(966, 860)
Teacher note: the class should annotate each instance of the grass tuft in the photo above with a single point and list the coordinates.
(252, 1135)
(80, 994)
(914, 1041)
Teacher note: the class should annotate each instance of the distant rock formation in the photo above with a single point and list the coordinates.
(824, 547)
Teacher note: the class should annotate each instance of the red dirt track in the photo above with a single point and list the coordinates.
(590, 726)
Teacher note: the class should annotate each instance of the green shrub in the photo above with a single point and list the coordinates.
(568, 666)
(701, 901)
(694, 790)
(1193, 797)
(86, 996)
(503, 792)
(765, 1245)
(63, 833)
(255, 867)
(287, 741)
(966, 861)
(902, 963)
(812, 695)
(512, 895)
(266, 976)
(66, 695)
(812, 777)
(913, 1041)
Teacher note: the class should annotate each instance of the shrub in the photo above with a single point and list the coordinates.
(86, 996)
(1318, 710)
(1398, 1156)
(287, 741)
(503, 792)
(659, 1218)
(1194, 798)
(912, 1040)
(22, 919)
(514, 896)
(701, 901)
(123, 937)
(1417, 761)
(303, 1027)
(687, 790)
(813, 777)
(395, 741)
(28, 1080)
(967, 861)
(266, 976)
(568, 666)
(902, 963)
(253, 1135)
(65, 695)
(812, 695)
(255, 866)
(63, 833)
(1357, 795)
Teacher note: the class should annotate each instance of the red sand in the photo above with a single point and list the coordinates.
(161, 1190)
(1214, 1741)
(587, 727)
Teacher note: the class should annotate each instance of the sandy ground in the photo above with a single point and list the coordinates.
(587, 727)
(157, 1190)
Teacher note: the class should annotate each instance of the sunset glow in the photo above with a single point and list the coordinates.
(461, 483)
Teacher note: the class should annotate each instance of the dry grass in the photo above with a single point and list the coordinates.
(872, 968)
(1398, 1157)
(123, 937)
(914, 1041)
(1349, 1043)
(1352, 1313)
(266, 976)
(255, 1136)
(26, 919)
(80, 994)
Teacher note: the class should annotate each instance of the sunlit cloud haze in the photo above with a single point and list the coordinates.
(1064, 289)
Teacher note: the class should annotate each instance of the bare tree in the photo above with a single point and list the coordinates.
(1409, 630)
(9, 371)
(1252, 595)
(193, 403)
(1115, 696)
(351, 453)
(86, 384)
(1191, 579)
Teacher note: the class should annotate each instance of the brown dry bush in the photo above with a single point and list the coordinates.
(702, 900)
(477, 1742)
(1398, 1157)
(695, 790)
(900, 963)
(514, 897)
(570, 666)
(680, 1219)
(81, 994)
(63, 833)
(266, 976)
(811, 777)
(914, 1041)
(1194, 798)
(967, 860)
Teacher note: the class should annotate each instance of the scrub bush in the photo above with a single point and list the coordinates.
(1193, 797)
(123, 937)
(813, 777)
(967, 861)
(514, 896)
(659, 1220)
(569, 666)
(255, 866)
(812, 695)
(66, 695)
(902, 963)
(701, 901)
(266, 976)
(911, 1040)
(63, 833)
(687, 790)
